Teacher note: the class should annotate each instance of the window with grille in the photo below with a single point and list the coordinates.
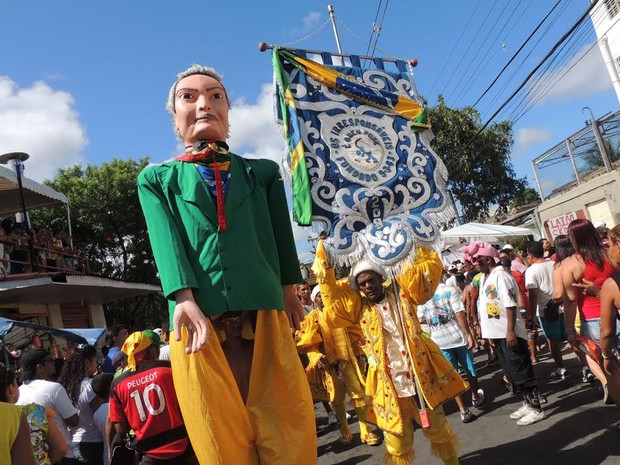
(613, 7)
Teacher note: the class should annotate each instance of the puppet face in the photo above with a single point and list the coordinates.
(201, 109)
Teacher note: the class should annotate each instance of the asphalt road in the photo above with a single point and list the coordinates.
(577, 431)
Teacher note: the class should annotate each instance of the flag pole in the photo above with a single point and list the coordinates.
(425, 419)
(332, 16)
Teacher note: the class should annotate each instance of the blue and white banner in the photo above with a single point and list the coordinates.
(375, 183)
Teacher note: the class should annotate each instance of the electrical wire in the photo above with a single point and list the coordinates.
(459, 40)
(532, 73)
(516, 54)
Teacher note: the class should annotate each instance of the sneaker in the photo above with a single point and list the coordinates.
(587, 376)
(607, 400)
(558, 373)
(477, 402)
(523, 411)
(534, 416)
(331, 418)
(467, 416)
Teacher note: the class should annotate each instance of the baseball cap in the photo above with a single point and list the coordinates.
(29, 363)
(507, 247)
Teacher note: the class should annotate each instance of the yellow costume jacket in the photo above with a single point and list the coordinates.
(438, 381)
(317, 338)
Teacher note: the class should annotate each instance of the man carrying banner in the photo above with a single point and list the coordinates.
(222, 240)
(405, 369)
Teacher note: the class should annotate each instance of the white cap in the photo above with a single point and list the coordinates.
(365, 265)
(600, 223)
(315, 292)
(507, 246)
(157, 331)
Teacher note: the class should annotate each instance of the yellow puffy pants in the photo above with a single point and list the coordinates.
(275, 427)
(399, 449)
(349, 384)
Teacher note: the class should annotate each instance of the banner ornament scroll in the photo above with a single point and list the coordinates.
(360, 158)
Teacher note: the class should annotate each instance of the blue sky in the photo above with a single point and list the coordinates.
(84, 82)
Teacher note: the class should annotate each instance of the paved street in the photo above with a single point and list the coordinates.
(576, 432)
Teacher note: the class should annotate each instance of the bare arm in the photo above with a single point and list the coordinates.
(610, 299)
(572, 272)
(72, 421)
(558, 284)
(511, 338)
(533, 295)
(461, 318)
(21, 449)
(57, 445)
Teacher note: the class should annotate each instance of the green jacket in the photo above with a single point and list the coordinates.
(241, 268)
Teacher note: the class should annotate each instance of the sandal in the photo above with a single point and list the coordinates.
(371, 439)
(345, 440)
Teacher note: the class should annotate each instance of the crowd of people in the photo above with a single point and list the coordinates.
(24, 250)
(250, 350)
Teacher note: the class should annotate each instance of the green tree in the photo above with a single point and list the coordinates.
(480, 174)
(525, 197)
(108, 226)
(593, 159)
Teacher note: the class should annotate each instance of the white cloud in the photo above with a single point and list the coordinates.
(528, 137)
(586, 75)
(311, 20)
(253, 131)
(42, 122)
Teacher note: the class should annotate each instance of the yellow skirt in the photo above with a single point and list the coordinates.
(275, 427)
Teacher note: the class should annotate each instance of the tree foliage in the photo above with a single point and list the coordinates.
(593, 158)
(525, 197)
(108, 225)
(480, 173)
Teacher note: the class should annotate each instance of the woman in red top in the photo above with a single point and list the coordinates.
(610, 305)
(583, 275)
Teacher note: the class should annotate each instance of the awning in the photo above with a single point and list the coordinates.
(492, 233)
(60, 289)
(35, 195)
(79, 336)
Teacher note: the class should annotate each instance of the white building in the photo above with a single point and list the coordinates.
(606, 20)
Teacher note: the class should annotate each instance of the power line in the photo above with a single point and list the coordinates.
(454, 48)
(517, 52)
(483, 44)
(529, 76)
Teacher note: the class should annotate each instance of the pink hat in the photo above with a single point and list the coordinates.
(480, 249)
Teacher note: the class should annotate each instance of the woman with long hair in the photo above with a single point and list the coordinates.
(610, 304)
(48, 443)
(563, 250)
(583, 274)
(76, 377)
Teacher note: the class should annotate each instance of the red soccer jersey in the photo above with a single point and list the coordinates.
(146, 399)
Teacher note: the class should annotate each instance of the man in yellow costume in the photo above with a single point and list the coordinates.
(405, 368)
(333, 354)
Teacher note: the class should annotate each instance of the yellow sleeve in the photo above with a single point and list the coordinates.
(342, 304)
(420, 279)
(308, 337)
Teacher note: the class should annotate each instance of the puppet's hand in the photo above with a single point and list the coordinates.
(188, 314)
(294, 308)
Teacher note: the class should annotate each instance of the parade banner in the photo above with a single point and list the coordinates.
(360, 158)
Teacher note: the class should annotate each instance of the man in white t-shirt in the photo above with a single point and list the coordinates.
(38, 368)
(444, 317)
(164, 351)
(501, 322)
(539, 283)
(101, 386)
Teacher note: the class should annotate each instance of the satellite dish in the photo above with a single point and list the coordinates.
(20, 156)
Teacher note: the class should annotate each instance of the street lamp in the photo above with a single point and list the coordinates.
(599, 140)
(15, 160)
